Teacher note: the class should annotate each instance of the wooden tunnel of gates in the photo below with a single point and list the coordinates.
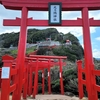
(33, 64)
(43, 5)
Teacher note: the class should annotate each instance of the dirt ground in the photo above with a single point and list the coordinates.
(53, 97)
(57, 97)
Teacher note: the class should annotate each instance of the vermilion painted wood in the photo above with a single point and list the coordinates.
(30, 81)
(21, 53)
(61, 77)
(0, 77)
(43, 4)
(43, 81)
(25, 88)
(12, 85)
(5, 85)
(49, 77)
(46, 63)
(49, 57)
(36, 80)
(7, 58)
(80, 84)
(6, 82)
(32, 22)
(88, 54)
(93, 77)
(85, 22)
(96, 88)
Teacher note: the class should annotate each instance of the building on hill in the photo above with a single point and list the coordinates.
(68, 42)
(28, 45)
(48, 44)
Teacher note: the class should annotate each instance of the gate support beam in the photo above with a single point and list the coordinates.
(35, 91)
(43, 81)
(21, 53)
(88, 54)
(61, 79)
(49, 77)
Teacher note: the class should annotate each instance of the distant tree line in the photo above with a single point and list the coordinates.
(74, 51)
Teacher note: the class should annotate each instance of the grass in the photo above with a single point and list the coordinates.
(28, 51)
(31, 49)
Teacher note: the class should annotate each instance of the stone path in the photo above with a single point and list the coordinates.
(53, 97)
(56, 97)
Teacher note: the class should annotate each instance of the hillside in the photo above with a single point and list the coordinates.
(73, 51)
(34, 35)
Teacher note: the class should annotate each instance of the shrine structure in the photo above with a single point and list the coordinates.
(85, 22)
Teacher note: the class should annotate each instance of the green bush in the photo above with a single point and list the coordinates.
(70, 81)
(55, 85)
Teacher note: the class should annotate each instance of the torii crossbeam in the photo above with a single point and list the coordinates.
(67, 5)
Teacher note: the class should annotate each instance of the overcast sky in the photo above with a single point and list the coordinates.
(77, 31)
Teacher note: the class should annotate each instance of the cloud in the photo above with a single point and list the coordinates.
(71, 14)
(96, 53)
(98, 38)
(94, 14)
(38, 14)
(9, 30)
(77, 31)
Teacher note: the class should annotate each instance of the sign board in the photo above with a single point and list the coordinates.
(42, 75)
(48, 74)
(60, 74)
(55, 13)
(5, 72)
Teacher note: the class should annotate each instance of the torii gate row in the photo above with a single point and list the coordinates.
(39, 64)
(72, 5)
(11, 62)
(41, 60)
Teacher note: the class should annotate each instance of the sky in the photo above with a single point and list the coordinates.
(77, 31)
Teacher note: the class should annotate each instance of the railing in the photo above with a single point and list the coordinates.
(10, 83)
(28, 85)
(94, 87)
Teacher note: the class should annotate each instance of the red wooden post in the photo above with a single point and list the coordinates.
(21, 53)
(49, 78)
(26, 82)
(88, 54)
(30, 80)
(61, 79)
(5, 87)
(43, 81)
(80, 85)
(0, 77)
(36, 80)
(94, 94)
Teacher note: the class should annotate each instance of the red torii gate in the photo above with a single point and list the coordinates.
(37, 63)
(32, 64)
(72, 5)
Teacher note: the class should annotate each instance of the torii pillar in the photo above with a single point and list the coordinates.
(92, 95)
(21, 53)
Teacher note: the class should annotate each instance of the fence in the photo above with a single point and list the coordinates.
(83, 81)
(29, 84)
(9, 84)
